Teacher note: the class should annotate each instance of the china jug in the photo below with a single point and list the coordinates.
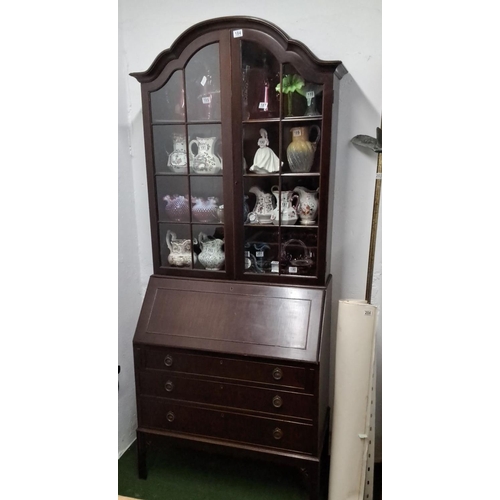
(177, 159)
(288, 206)
(205, 161)
(263, 206)
(307, 207)
(180, 251)
(300, 152)
(212, 255)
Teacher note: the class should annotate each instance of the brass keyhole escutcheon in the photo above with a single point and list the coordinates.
(277, 374)
(277, 402)
(170, 416)
(277, 433)
(169, 386)
(169, 360)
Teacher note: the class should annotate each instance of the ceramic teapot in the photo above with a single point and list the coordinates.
(288, 203)
(212, 255)
(205, 161)
(177, 208)
(300, 152)
(263, 208)
(180, 251)
(205, 210)
(307, 208)
(177, 160)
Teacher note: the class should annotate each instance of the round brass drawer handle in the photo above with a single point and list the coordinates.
(277, 374)
(170, 416)
(169, 386)
(277, 402)
(277, 433)
(169, 360)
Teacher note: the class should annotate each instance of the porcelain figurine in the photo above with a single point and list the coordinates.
(265, 160)
(180, 251)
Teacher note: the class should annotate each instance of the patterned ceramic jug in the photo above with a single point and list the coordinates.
(263, 206)
(180, 251)
(288, 206)
(307, 208)
(205, 161)
(212, 256)
(177, 159)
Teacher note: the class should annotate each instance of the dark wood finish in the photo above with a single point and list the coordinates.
(228, 360)
(204, 382)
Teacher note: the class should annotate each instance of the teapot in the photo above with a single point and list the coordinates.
(263, 208)
(177, 208)
(212, 255)
(180, 250)
(300, 152)
(205, 210)
(307, 208)
(177, 159)
(205, 161)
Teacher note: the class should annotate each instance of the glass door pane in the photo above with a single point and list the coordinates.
(203, 85)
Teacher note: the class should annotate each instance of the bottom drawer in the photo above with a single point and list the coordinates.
(162, 414)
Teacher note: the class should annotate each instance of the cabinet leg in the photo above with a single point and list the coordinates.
(141, 456)
(312, 474)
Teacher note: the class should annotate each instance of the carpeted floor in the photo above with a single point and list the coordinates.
(182, 474)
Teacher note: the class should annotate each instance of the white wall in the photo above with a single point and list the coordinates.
(347, 30)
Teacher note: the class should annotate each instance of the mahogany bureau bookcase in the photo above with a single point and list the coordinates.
(232, 345)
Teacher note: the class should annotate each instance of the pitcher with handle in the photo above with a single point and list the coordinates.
(205, 161)
(300, 152)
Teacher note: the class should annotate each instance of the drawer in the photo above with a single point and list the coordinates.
(170, 385)
(171, 416)
(215, 366)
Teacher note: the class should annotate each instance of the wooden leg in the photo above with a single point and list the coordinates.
(141, 456)
(312, 475)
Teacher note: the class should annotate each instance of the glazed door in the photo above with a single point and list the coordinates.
(189, 165)
(282, 112)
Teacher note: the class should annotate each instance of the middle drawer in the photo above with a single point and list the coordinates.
(161, 384)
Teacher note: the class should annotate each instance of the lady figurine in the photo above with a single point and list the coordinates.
(265, 161)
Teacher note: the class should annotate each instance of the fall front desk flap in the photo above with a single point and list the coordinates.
(235, 318)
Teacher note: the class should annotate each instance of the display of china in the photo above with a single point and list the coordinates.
(220, 213)
(307, 207)
(205, 160)
(177, 208)
(180, 251)
(212, 255)
(265, 160)
(263, 208)
(288, 202)
(300, 152)
(296, 257)
(205, 210)
(177, 160)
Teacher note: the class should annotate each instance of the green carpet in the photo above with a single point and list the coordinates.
(176, 473)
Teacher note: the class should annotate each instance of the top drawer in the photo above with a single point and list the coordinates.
(216, 366)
